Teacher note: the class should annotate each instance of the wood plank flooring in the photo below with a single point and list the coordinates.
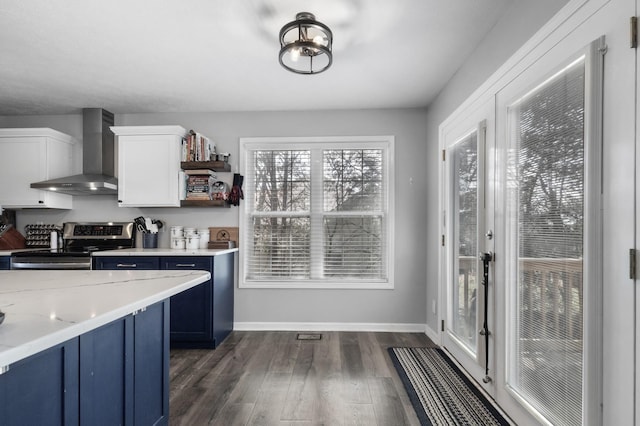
(271, 378)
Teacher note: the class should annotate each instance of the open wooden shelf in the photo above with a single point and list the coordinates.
(204, 203)
(216, 166)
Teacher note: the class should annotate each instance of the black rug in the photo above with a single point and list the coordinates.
(440, 393)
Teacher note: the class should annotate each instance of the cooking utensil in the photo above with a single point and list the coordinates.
(140, 224)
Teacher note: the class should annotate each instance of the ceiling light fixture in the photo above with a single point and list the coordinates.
(306, 45)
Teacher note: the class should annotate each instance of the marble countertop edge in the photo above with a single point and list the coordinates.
(26, 332)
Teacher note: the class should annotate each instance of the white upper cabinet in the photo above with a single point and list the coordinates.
(149, 165)
(34, 155)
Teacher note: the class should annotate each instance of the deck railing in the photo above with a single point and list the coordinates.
(550, 296)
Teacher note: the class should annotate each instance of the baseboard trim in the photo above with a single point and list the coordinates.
(432, 334)
(328, 326)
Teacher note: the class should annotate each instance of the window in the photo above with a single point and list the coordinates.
(317, 212)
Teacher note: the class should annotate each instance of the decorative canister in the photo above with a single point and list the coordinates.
(193, 241)
(189, 232)
(178, 243)
(204, 237)
(177, 231)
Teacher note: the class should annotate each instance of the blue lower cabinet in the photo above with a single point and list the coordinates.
(191, 310)
(115, 374)
(201, 317)
(42, 389)
(5, 263)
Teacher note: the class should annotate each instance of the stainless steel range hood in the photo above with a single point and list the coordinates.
(98, 159)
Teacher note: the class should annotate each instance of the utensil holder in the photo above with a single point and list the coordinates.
(149, 240)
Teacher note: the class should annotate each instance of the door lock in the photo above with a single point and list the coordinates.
(486, 258)
(489, 234)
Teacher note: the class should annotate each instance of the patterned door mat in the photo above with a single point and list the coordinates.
(440, 393)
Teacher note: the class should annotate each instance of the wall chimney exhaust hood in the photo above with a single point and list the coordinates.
(98, 159)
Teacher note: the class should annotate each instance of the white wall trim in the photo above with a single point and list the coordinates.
(432, 334)
(329, 326)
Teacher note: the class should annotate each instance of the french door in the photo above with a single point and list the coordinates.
(468, 242)
(550, 188)
(521, 241)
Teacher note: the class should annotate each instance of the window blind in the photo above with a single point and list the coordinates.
(279, 185)
(464, 294)
(547, 198)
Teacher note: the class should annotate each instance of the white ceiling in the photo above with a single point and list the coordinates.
(132, 56)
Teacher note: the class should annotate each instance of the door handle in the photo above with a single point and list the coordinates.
(486, 258)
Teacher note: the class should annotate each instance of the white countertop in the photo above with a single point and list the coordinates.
(163, 252)
(44, 308)
(144, 252)
(10, 252)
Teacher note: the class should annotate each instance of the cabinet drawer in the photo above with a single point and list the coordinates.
(193, 263)
(127, 263)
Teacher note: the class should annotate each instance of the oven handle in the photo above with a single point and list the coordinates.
(46, 265)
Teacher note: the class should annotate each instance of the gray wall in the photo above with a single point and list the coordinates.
(402, 305)
(519, 22)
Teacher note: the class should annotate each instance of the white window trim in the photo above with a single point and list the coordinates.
(336, 142)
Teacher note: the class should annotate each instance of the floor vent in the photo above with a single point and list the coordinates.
(309, 336)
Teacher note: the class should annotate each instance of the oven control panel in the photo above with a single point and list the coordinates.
(97, 230)
(109, 230)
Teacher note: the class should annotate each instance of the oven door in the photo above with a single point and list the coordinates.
(36, 261)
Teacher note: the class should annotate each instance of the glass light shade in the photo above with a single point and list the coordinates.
(306, 45)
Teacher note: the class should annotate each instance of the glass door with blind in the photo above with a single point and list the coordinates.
(468, 297)
(551, 192)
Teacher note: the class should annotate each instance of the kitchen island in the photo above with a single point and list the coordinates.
(87, 347)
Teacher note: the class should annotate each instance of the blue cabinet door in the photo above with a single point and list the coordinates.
(191, 310)
(105, 374)
(4, 262)
(42, 389)
(151, 365)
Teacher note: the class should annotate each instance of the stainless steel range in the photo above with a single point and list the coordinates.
(80, 239)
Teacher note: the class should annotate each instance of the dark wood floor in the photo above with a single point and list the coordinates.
(271, 378)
